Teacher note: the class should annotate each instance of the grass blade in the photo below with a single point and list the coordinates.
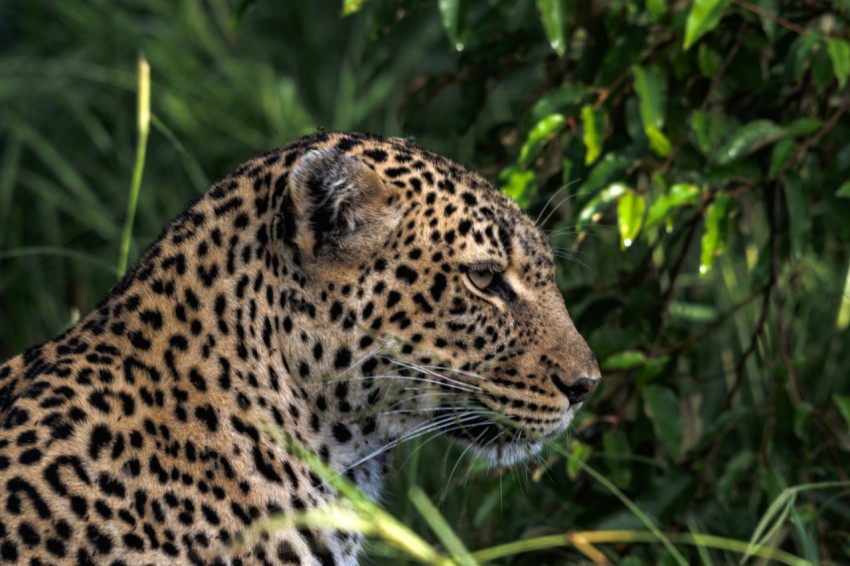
(578, 538)
(144, 120)
(440, 527)
(54, 251)
(644, 518)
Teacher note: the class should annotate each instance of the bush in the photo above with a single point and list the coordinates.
(690, 160)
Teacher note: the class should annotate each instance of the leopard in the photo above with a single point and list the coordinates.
(350, 290)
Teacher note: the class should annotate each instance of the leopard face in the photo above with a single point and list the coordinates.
(458, 319)
(351, 290)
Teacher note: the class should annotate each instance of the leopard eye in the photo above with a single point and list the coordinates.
(482, 279)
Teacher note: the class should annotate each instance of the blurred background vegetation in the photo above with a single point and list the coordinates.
(696, 160)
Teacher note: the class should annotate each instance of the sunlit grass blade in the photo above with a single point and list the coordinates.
(143, 125)
(52, 194)
(579, 538)
(778, 512)
(54, 70)
(701, 548)
(644, 518)
(53, 251)
(440, 527)
(63, 171)
(193, 168)
(364, 516)
(9, 164)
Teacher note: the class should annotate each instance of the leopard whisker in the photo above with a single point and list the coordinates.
(555, 209)
(459, 371)
(429, 371)
(452, 385)
(462, 454)
(551, 198)
(431, 426)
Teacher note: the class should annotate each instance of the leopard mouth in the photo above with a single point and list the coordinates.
(483, 433)
(500, 442)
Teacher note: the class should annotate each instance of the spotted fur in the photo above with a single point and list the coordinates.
(349, 289)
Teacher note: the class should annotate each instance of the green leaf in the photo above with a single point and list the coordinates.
(662, 408)
(246, 6)
(699, 124)
(748, 139)
(653, 368)
(708, 59)
(803, 127)
(630, 210)
(650, 86)
(597, 204)
(351, 6)
(517, 184)
(843, 319)
(703, 17)
(563, 98)
(680, 194)
(624, 360)
(797, 205)
(555, 15)
(658, 141)
(616, 445)
(768, 24)
(453, 14)
(606, 170)
(544, 130)
(714, 238)
(844, 190)
(781, 152)
(579, 454)
(802, 418)
(800, 55)
(843, 404)
(738, 469)
(692, 312)
(822, 70)
(839, 53)
(593, 132)
(657, 9)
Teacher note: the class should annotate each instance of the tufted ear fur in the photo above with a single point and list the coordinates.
(338, 205)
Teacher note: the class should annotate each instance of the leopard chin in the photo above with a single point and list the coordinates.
(504, 444)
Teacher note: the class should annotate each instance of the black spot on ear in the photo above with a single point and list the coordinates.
(287, 212)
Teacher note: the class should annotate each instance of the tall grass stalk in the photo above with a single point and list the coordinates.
(143, 123)
(584, 541)
(364, 516)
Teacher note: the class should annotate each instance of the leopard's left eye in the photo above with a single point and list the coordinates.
(482, 279)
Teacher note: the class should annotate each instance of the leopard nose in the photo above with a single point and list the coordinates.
(576, 390)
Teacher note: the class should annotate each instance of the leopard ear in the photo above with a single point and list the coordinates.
(338, 203)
